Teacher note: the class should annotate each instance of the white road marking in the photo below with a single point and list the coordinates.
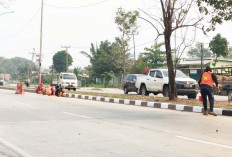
(77, 115)
(22, 103)
(205, 142)
(14, 148)
(25, 104)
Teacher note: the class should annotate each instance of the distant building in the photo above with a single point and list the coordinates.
(192, 66)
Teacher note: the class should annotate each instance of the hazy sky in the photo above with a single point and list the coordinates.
(74, 23)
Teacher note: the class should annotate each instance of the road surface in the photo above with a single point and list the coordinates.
(49, 126)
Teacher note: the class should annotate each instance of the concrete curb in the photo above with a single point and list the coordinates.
(177, 107)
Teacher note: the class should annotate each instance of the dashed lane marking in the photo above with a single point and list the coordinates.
(77, 115)
(205, 142)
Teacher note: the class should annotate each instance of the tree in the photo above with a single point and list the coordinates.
(195, 52)
(219, 46)
(154, 57)
(59, 61)
(174, 16)
(106, 60)
(24, 71)
(127, 25)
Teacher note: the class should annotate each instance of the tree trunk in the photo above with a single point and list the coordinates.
(171, 74)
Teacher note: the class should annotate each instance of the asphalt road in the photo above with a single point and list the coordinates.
(48, 126)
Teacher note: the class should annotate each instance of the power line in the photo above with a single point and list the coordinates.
(77, 7)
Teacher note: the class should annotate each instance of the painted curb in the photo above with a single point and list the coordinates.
(177, 107)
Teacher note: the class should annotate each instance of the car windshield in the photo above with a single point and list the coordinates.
(68, 76)
(179, 74)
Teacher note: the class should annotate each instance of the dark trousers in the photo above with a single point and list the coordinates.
(207, 91)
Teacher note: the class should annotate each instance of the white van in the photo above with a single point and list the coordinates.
(67, 81)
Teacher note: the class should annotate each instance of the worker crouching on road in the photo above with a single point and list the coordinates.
(59, 91)
(206, 82)
(39, 89)
(52, 90)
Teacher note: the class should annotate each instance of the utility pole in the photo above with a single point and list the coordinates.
(133, 34)
(33, 54)
(41, 33)
(201, 58)
(66, 47)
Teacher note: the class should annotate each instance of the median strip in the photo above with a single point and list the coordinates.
(177, 107)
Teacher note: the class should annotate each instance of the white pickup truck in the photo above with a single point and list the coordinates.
(67, 81)
(157, 82)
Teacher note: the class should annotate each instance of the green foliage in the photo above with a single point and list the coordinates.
(108, 76)
(105, 59)
(126, 20)
(47, 79)
(154, 57)
(219, 46)
(195, 52)
(12, 65)
(78, 71)
(24, 71)
(59, 61)
(127, 25)
(219, 10)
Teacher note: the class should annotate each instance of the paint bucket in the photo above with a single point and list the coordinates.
(200, 98)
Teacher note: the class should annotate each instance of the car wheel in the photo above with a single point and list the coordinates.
(74, 89)
(166, 91)
(192, 96)
(144, 91)
(138, 91)
(125, 90)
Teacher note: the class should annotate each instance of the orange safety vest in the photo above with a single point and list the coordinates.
(207, 78)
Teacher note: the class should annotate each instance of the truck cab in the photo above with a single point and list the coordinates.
(67, 81)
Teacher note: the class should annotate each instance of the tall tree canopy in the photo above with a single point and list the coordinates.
(219, 46)
(12, 65)
(154, 57)
(59, 61)
(106, 60)
(127, 22)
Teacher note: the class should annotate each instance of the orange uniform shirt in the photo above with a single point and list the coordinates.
(207, 79)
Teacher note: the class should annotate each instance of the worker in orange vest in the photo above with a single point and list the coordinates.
(206, 82)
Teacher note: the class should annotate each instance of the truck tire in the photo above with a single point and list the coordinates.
(125, 90)
(144, 90)
(166, 91)
(192, 96)
(138, 91)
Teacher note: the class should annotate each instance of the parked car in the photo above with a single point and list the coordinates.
(2, 82)
(157, 81)
(129, 83)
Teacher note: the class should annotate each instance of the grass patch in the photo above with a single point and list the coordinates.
(191, 102)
